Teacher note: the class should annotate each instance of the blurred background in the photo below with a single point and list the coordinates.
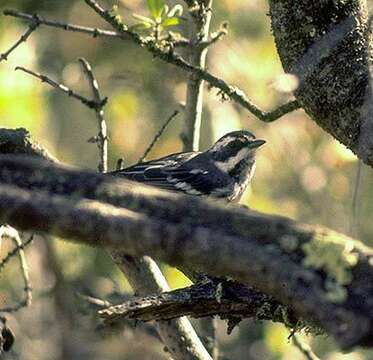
(302, 172)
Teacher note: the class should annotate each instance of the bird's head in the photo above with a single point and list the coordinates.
(235, 147)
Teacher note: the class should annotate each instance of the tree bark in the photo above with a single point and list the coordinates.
(328, 46)
(325, 277)
(224, 298)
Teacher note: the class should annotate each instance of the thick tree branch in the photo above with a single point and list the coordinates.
(323, 276)
(19, 142)
(267, 251)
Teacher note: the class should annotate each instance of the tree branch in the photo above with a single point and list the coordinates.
(18, 141)
(32, 27)
(13, 234)
(95, 32)
(158, 135)
(218, 297)
(167, 55)
(92, 104)
(199, 32)
(323, 276)
(146, 278)
(328, 46)
(102, 138)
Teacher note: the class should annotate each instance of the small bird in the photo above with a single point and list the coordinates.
(223, 171)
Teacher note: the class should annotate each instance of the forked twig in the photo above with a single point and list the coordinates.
(13, 234)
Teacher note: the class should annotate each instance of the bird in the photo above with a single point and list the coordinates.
(221, 172)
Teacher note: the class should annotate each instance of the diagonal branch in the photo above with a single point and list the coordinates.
(158, 135)
(167, 55)
(92, 104)
(32, 27)
(323, 276)
(13, 234)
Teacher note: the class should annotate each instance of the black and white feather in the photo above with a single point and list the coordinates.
(223, 171)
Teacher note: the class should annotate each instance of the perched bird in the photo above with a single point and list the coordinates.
(223, 171)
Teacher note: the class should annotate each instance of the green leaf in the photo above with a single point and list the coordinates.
(155, 7)
(172, 21)
(140, 27)
(144, 19)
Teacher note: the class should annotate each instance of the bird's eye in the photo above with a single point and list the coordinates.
(236, 144)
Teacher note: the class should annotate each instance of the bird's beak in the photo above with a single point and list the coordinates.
(256, 143)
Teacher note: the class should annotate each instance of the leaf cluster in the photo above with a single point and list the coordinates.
(161, 17)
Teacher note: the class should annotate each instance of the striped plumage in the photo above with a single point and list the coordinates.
(223, 171)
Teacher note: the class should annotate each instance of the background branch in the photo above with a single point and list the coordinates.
(170, 57)
(143, 273)
(32, 27)
(158, 135)
(199, 32)
(7, 232)
(102, 139)
(92, 104)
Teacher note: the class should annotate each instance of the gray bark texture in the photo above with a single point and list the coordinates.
(324, 277)
(327, 44)
(225, 298)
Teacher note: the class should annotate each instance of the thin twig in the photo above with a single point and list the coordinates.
(92, 31)
(157, 136)
(39, 20)
(102, 139)
(32, 27)
(304, 348)
(215, 37)
(170, 57)
(13, 252)
(15, 237)
(355, 200)
(94, 301)
(43, 78)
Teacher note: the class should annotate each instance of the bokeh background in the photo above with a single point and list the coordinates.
(302, 172)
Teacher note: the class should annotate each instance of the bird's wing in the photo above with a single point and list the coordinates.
(167, 173)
